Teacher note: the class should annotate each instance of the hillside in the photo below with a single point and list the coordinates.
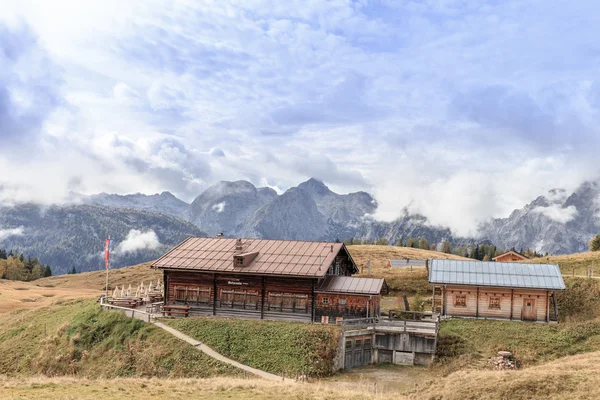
(75, 338)
(578, 261)
(97, 279)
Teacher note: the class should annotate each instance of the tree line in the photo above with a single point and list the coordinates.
(17, 267)
(481, 252)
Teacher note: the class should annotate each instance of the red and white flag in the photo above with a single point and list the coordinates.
(107, 252)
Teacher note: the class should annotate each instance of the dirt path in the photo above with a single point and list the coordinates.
(211, 353)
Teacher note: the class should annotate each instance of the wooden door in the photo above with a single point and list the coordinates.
(529, 311)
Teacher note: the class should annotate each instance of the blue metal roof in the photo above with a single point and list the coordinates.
(499, 274)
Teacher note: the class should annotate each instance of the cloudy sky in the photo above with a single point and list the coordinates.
(460, 110)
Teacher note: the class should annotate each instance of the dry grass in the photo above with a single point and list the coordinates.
(569, 263)
(143, 389)
(379, 255)
(575, 377)
(27, 295)
(97, 279)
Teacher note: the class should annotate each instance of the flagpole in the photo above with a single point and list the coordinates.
(107, 255)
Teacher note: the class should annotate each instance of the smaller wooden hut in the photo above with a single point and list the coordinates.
(510, 256)
(514, 291)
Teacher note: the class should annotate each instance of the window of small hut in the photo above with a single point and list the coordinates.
(460, 300)
(494, 303)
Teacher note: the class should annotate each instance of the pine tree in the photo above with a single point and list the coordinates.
(412, 242)
(3, 255)
(47, 271)
(446, 247)
(595, 243)
(73, 271)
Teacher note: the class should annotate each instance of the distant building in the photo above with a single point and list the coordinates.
(510, 256)
(268, 279)
(514, 291)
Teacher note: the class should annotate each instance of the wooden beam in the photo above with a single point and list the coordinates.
(214, 294)
(477, 305)
(262, 300)
(512, 296)
(166, 286)
(547, 306)
(445, 300)
(313, 301)
(555, 306)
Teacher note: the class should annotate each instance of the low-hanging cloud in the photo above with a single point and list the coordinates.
(557, 213)
(138, 240)
(219, 207)
(5, 233)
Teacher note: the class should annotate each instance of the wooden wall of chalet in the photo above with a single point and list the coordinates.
(247, 293)
(497, 302)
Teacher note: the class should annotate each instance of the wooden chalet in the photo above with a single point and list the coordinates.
(510, 256)
(514, 291)
(268, 279)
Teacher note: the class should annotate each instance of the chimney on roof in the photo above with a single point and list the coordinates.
(238, 245)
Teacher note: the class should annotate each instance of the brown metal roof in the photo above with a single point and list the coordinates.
(275, 257)
(351, 285)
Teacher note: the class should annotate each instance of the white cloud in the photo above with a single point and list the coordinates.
(557, 213)
(147, 97)
(138, 240)
(219, 207)
(5, 233)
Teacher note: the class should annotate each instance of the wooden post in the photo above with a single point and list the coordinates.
(477, 305)
(262, 300)
(512, 295)
(547, 306)
(406, 304)
(314, 300)
(165, 286)
(214, 294)
(445, 300)
(555, 306)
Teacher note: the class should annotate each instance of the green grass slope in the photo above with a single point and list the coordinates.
(77, 338)
(268, 345)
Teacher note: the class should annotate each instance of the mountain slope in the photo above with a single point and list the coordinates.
(73, 235)
(163, 203)
(556, 223)
(293, 215)
(226, 206)
(340, 208)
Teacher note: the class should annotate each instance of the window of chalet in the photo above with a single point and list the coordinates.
(460, 300)
(239, 298)
(342, 301)
(180, 294)
(494, 303)
(325, 300)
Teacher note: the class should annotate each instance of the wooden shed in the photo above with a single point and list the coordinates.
(510, 256)
(268, 279)
(513, 291)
